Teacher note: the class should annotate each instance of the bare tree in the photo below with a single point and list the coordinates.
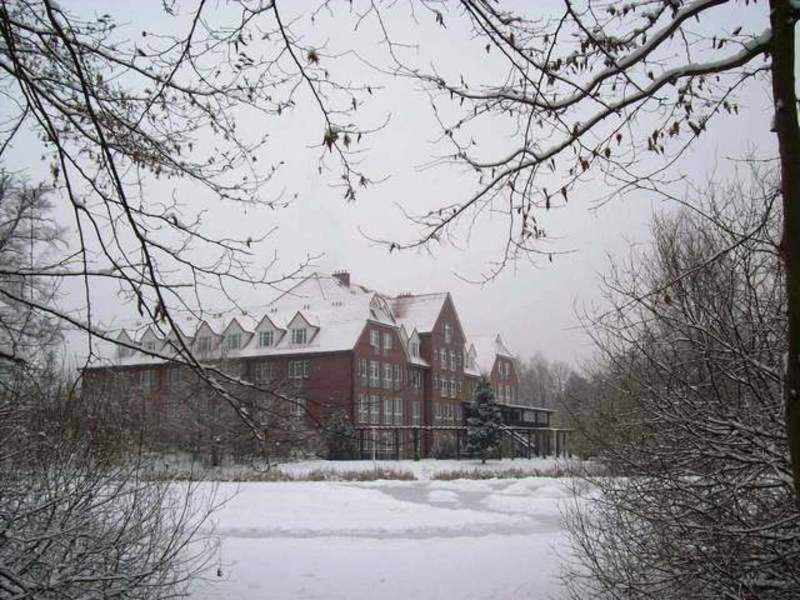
(542, 382)
(114, 110)
(78, 517)
(686, 411)
(594, 89)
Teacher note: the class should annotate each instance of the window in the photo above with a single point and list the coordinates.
(375, 338)
(437, 413)
(298, 407)
(452, 360)
(375, 409)
(374, 373)
(436, 383)
(204, 344)
(175, 376)
(387, 341)
(414, 348)
(448, 333)
(415, 413)
(299, 369)
(387, 376)
(443, 358)
(417, 379)
(388, 411)
(397, 379)
(262, 371)
(147, 379)
(123, 352)
(363, 408)
(363, 370)
(150, 346)
(233, 341)
(299, 336)
(398, 411)
(266, 338)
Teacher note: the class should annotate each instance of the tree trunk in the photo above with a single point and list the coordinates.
(782, 20)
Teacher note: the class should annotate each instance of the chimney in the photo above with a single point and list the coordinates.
(343, 277)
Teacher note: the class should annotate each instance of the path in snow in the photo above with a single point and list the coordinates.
(461, 539)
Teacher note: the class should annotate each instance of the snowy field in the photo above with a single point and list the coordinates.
(466, 539)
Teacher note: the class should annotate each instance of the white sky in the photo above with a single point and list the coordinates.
(533, 306)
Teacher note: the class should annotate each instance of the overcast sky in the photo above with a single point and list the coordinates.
(532, 305)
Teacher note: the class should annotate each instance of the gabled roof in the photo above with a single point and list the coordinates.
(487, 349)
(337, 312)
(418, 311)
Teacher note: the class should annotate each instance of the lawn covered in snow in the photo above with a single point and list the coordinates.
(492, 539)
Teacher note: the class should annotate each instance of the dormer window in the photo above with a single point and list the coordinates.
(266, 338)
(387, 341)
(299, 336)
(414, 348)
(448, 333)
(233, 341)
(150, 346)
(204, 344)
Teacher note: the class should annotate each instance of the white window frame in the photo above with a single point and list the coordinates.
(204, 344)
(299, 369)
(374, 409)
(266, 338)
(387, 376)
(175, 376)
(388, 341)
(363, 409)
(375, 338)
(233, 341)
(299, 336)
(388, 410)
(298, 408)
(374, 373)
(363, 370)
(147, 378)
(416, 413)
(262, 371)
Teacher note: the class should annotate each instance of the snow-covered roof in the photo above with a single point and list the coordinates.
(418, 311)
(482, 352)
(335, 313)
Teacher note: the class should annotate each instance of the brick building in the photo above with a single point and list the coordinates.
(399, 368)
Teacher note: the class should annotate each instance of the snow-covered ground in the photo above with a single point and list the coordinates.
(489, 539)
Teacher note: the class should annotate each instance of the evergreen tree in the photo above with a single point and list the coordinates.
(484, 423)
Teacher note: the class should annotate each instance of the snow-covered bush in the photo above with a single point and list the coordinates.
(77, 520)
(686, 409)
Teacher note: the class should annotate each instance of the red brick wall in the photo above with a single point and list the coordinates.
(499, 378)
(436, 342)
(394, 356)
